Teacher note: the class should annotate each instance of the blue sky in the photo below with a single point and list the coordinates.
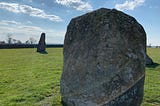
(28, 18)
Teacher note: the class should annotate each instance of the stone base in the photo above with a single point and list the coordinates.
(132, 97)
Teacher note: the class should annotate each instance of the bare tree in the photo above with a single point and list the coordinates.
(2, 42)
(14, 41)
(27, 42)
(9, 38)
(19, 42)
(32, 40)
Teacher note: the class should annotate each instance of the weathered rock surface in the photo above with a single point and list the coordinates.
(149, 61)
(104, 60)
(42, 44)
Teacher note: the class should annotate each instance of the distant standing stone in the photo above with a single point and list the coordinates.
(149, 61)
(41, 45)
(104, 60)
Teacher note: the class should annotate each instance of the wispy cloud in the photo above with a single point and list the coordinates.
(17, 27)
(25, 9)
(6, 22)
(129, 5)
(76, 4)
(23, 32)
(12, 7)
(35, 12)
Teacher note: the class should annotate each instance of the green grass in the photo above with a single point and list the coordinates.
(152, 80)
(28, 78)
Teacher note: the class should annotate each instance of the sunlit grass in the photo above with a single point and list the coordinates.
(28, 78)
(152, 80)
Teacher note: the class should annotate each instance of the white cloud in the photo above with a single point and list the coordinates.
(35, 12)
(25, 9)
(6, 22)
(76, 4)
(23, 32)
(18, 28)
(12, 7)
(129, 5)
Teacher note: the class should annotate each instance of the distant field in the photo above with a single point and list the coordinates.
(28, 78)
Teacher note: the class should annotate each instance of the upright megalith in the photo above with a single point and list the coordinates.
(42, 44)
(104, 60)
(149, 61)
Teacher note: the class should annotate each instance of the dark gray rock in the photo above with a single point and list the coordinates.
(149, 61)
(41, 45)
(104, 60)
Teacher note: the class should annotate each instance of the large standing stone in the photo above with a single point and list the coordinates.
(149, 61)
(41, 45)
(104, 60)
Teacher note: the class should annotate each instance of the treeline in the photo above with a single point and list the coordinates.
(4, 46)
(11, 40)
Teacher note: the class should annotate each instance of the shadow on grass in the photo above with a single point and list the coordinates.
(153, 101)
(63, 103)
(154, 65)
(45, 52)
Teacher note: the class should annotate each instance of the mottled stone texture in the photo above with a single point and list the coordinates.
(41, 45)
(149, 61)
(104, 60)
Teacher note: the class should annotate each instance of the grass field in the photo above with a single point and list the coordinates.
(152, 80)
(28, 78)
